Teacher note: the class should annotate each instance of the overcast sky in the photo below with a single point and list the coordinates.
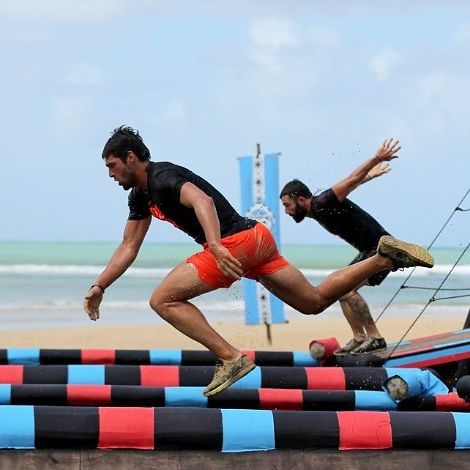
(321, 82)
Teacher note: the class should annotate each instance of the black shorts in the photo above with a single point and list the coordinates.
(377, 278)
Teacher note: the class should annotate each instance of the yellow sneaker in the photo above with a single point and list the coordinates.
(228, 372)
(403, 254)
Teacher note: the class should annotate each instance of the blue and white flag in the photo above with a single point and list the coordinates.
(259, 179)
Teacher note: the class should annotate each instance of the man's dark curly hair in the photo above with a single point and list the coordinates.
(295, 188)
(125, 139)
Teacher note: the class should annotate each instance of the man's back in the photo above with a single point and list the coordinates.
(162, 200)
(346, 220)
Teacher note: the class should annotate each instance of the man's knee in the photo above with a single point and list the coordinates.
(346, 298)
(159, 305)
(312, 310)
(317, 304)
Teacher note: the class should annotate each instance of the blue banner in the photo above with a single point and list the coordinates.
(259, 180)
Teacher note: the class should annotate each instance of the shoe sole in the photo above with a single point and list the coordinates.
(241, 373)
(342, 353)
(420, 256)
(368, 352)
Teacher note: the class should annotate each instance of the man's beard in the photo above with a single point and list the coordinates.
(300, 214)
(130, 182)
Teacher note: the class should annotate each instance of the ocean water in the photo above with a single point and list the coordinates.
(42, 284)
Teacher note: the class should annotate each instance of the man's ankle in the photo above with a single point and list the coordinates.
(231, 357)
(383, 261)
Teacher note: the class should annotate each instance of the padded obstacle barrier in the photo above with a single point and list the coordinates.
(226, 430)
(428, 351)
(97, 400)
(35, 356)
(463, 387)
(129, 395)
(263, 398)
(445, 402)
(307, 378)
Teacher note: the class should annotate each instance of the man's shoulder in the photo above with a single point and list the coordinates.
(136, 193)
(165, 169)
(325, 197)
(155, 168)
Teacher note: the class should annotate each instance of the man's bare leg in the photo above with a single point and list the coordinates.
(353, 320)
(291, 286)
(357, 313)
(170, 301)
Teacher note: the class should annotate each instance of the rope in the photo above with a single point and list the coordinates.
(432, 299)
(452, 297)
(433, 288)
(458, 208)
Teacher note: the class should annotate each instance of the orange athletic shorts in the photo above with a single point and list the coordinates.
(255, 248)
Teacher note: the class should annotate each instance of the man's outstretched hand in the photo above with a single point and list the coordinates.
(378, 170)
(388, 151)
(92, 302)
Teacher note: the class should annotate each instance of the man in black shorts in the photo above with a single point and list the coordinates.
(341, 217)
(233, 247)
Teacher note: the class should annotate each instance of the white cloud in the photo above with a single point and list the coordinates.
(270, 38)
(61, 11)
(384, 64)
(462, 33)
(322, 36)
(441, 100)
(273, 33)
(84, 74)
(432, 86)
(70, 113)
(174, 114)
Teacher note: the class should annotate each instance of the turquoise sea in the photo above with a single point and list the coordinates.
(42, 284)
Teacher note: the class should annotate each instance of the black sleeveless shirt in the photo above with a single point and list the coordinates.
(346, 220)
(162, 200)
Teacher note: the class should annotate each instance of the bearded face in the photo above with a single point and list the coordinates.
(127, 179)
(295, 207)
(121, 172)
(299, 214)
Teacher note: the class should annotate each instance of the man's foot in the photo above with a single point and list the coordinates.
(371, 345)
(228, 372)
(348, 347)
(403, 254)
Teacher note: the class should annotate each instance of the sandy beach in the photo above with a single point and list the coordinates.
(295, 335)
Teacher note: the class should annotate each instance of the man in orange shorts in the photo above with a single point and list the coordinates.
(234, 247)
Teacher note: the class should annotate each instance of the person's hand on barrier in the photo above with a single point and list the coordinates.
(227, 263)
(388, 151)
(92, 302)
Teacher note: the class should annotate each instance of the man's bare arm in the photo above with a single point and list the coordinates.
(203, 205)
(370, 169)
(122, 258)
